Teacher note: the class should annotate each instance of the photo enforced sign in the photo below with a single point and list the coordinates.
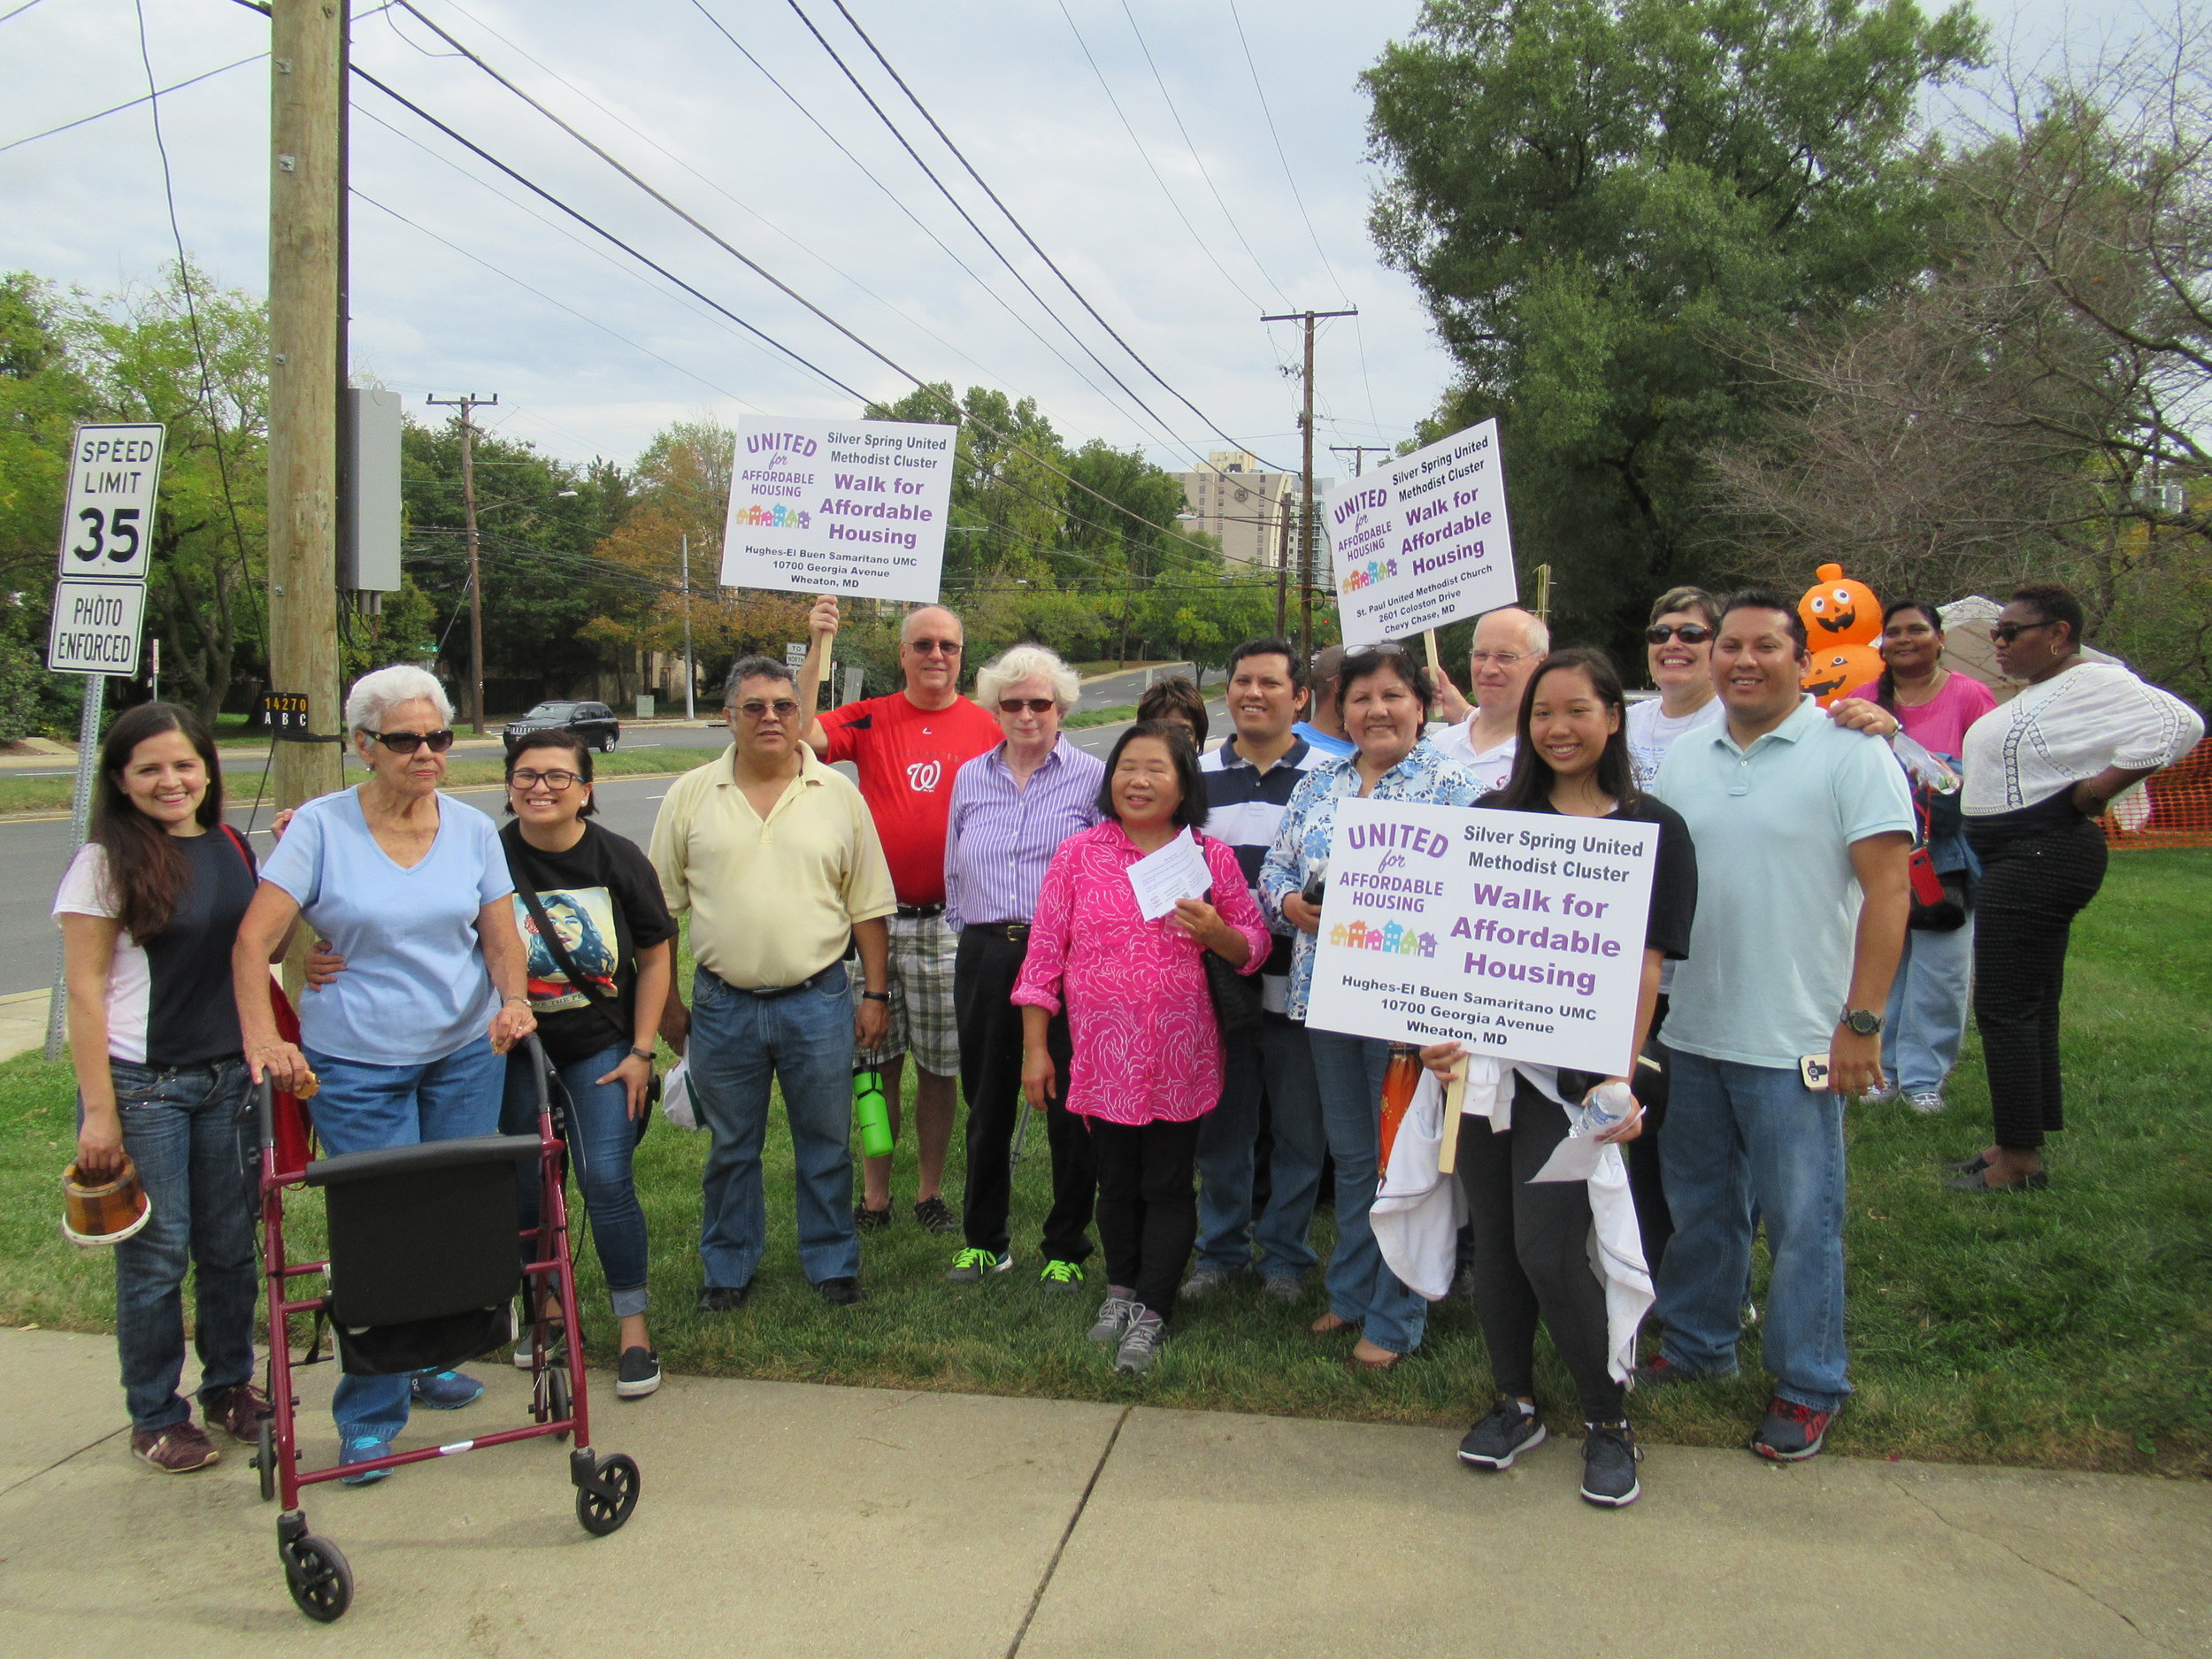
(1520, 934)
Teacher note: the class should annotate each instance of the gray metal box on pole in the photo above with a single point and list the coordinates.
(368, 532)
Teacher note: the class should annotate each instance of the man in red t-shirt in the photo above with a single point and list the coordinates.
(907, 747)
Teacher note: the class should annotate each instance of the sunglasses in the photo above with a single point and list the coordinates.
(2006, 633)
(558, 782)
(927, 647)
(1034, 706)
(783, 708)
(1688, 633)
(408, 742)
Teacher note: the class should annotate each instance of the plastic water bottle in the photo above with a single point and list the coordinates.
(1608, 1106)
(871, 1112)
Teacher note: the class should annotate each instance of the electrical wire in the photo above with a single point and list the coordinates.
(131, 103)
(853, 23)
(6, 17)
(1288, 178)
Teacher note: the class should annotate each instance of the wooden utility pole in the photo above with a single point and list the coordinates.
(306, 190)
(1305, 516)
(468, 405)
(1282, 566)
(1359, 452)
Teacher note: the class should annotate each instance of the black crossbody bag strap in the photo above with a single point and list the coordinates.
(605, 1005)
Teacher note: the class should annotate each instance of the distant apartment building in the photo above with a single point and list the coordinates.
(1238, 502)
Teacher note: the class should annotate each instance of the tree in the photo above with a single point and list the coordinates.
(1597, 199)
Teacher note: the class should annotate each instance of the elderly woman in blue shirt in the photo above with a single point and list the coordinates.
(1383, 699)
(411, 888)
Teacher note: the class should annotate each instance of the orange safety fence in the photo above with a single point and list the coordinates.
(2180, 802)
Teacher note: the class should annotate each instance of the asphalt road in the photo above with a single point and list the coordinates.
(35, 852)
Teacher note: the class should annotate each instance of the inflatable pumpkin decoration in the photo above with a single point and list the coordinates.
(1836, 669)
(1836, 610)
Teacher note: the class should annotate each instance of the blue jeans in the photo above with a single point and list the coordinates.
(1739, 1135)
(362, 1107)
(1362, 1288)
(803, 1039)
(1271, 1068)
(190, 1131)
(1927, 1007)
(601, 1137)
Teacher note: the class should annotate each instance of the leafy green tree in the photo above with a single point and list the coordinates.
(1597, 197)
(42, 396)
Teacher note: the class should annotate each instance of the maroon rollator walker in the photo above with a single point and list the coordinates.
(422, 1274)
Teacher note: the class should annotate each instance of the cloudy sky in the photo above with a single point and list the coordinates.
(1230, 181)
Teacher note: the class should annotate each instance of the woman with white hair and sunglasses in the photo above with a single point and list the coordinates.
(411, 888)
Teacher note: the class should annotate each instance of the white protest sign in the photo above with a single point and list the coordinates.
(96, 628)
(849, 507)
(1423, 541)
(1519, 934)
(107, 531)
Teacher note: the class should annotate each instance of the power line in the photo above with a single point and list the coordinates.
(130, 103)
(18, 11)
(853, 23)
(1288, 178)
(1161, 81)
(1145, 155)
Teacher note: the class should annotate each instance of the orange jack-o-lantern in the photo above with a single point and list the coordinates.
(1836, 610)
(1837, 668)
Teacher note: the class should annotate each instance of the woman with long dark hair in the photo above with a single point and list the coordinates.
(1533, 1239)
(148, 914)
(1935, 706)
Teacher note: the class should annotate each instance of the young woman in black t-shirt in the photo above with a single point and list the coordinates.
(149, 913)
(1532, 1239)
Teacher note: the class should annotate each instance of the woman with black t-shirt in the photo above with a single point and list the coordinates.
(1531, 1240)
(149, 912)
(596, 986)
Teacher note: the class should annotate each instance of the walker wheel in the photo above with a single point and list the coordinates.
(316, 1574)
(605, 1502)
(557, 1397)
(264, 1459)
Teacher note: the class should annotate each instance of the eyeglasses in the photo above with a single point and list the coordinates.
(1503, 659)
(929, 648)
(783, 708)
(2006, 633)
(408, 742)
(1688, 633)
(1034, 706)
(558, 782)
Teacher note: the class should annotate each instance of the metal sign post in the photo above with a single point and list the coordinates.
(107, 533)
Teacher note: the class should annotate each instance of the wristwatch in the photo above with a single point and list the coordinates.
(875, 996)
(645, 1055)
(1861, 1020)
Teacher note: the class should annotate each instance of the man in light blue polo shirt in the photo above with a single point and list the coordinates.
(1803, 829)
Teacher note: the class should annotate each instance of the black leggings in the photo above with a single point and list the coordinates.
(1148, 1206)
(1533, 1254)
(1654, 1220)
(2031, 888)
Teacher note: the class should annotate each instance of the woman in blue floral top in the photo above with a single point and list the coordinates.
(1383, 698)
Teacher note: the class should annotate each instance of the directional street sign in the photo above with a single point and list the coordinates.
(106, 537)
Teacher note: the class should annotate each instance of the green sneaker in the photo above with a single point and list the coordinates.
(969, 1267)
(1060, 1277)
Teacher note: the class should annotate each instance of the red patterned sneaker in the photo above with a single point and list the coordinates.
(241, 1408)
(178, 1449)
(1790, 1432)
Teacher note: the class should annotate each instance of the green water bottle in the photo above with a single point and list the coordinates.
(871, 1112)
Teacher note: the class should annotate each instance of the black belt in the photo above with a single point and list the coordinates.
(769, 992)
(918, 912)
(1012, 932)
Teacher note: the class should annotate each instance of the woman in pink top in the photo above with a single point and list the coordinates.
(1147, 1059)
(1926, 1017)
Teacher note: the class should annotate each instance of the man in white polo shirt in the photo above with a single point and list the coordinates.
(1507, 645)
(1802, 829)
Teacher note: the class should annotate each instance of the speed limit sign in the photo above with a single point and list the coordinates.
(107, 533)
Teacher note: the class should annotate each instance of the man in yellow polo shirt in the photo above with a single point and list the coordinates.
(776, 858)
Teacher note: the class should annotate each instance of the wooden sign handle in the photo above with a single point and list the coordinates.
(1455, 1103)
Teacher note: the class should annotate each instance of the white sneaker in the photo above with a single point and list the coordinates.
(1925, 1101)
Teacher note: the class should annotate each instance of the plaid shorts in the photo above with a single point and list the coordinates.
(922, 952)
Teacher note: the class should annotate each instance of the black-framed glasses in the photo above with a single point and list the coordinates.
(1688, 633)
(929, 647)
(408, 742)
(558, 782)
(1034, 706)
(2006, 633)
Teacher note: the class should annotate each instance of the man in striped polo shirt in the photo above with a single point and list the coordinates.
(1270, 1074)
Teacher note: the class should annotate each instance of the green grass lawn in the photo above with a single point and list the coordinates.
(1102, 717)
(2071, 1328)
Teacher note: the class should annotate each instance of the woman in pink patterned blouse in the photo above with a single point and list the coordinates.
(1147, 1061)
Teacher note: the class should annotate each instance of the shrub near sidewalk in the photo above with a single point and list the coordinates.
(2070, 1329)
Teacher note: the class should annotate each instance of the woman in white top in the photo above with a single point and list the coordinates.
(2039, 771)
(1679, 650)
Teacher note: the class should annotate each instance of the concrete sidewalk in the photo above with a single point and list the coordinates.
(792, 1520)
